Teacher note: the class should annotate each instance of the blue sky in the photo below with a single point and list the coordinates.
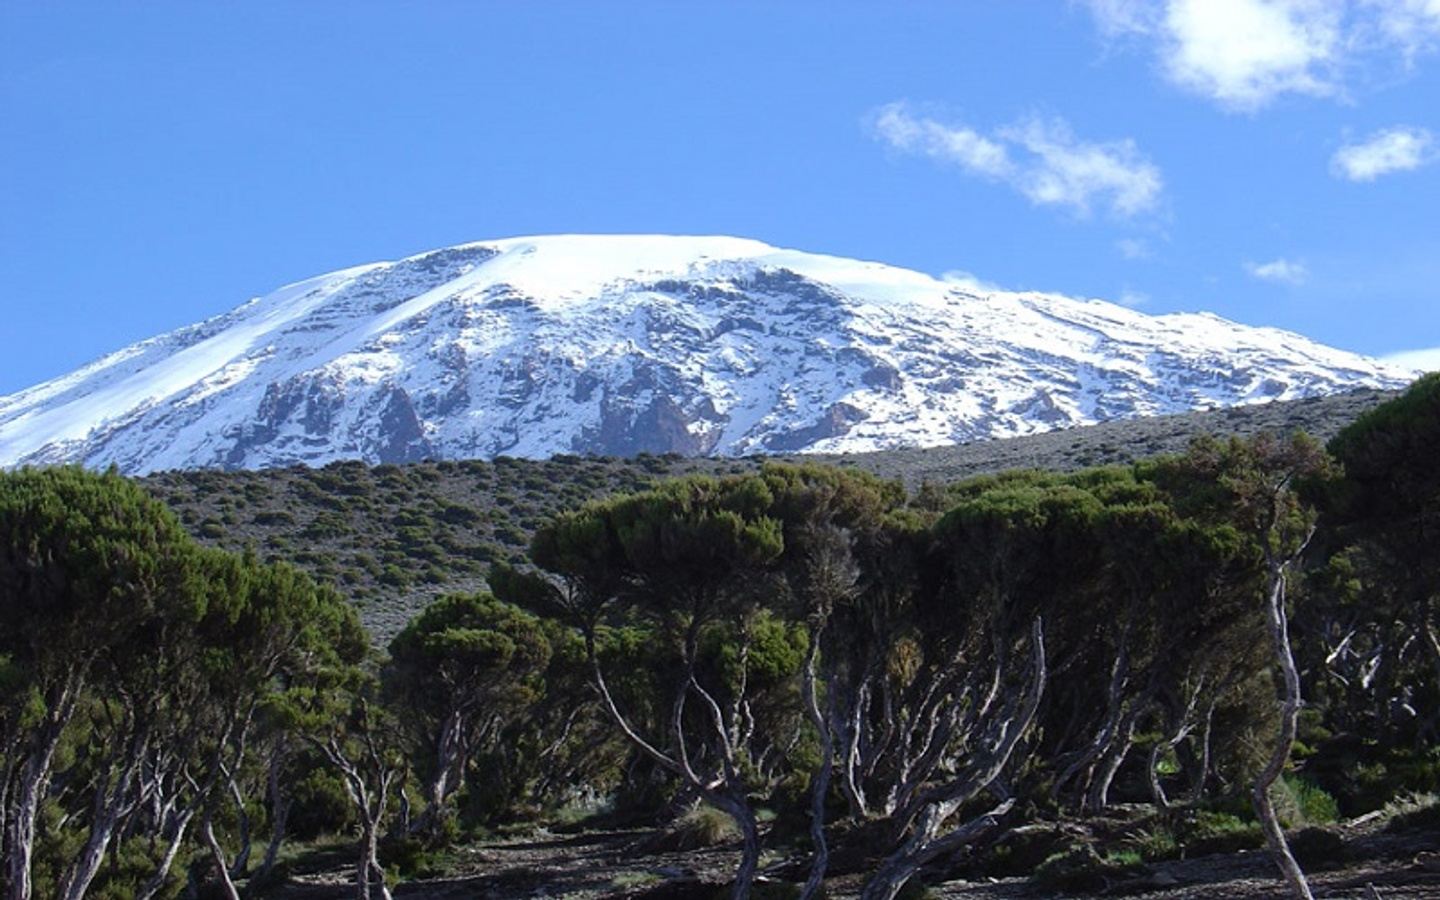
(1273, 161)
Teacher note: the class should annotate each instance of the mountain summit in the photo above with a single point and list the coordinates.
(625, 344)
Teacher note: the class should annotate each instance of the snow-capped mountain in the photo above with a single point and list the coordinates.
(623, 344)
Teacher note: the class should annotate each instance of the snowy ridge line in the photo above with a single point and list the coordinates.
(618, 344)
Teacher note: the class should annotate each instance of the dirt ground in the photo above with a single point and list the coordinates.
(618, 864)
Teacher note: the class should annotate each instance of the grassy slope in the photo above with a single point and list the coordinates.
(392, 537)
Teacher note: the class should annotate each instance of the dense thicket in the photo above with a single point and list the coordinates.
(867, 678)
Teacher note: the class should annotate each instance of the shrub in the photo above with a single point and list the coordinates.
(1218, 832)
(320, 806)
(407, 857)
(1414, 812)
(1082, 869)
(1317, 848)
(701, 826)
(1301, 802)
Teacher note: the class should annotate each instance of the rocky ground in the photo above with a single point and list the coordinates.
(623, 864)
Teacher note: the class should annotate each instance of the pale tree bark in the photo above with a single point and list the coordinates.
(1289, 718)
(820, 783)
(449, 761)
(177, 828)
(217, 856)
(368, 781)
(998, 737)
(31, 784)
(724, 789)
(1097, 795)
(113, 797)
(279, 807)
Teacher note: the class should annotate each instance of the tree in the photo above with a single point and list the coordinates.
(457, 672)
(88, 564)
(1385, 512)
(688, 558)
(1256, 486)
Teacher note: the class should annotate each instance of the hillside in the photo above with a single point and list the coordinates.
(393, 536)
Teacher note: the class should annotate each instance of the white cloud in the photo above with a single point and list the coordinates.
(1421, 360)
(1411, 25)
(1391, 150)
(968, 281)
(1132, 298)
(1041, 158)
(1282, 271)
(1117, 18)
(1070, 172)
(1244, 53)
(927, 137)
(1133, 248)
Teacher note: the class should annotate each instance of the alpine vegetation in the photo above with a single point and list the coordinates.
(848, 686)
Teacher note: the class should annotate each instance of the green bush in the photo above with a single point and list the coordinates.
(319, 806)
(1317, 848)
(1082, 869)
(1414, 813)
(408, 857)
(1301, 802)
(701, 826)
(1218, 832)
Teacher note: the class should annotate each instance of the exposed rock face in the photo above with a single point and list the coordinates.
(622, 345)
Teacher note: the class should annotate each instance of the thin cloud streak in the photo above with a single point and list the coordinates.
(1280, 271)
(1040, 158)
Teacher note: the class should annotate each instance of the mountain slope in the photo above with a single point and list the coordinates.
(623, 344)
(392, 537)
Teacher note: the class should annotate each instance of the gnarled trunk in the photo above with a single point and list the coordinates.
(1289, 717)
(31, 783)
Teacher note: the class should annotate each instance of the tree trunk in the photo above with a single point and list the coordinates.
(1097, 796)
(440, 785)
(217, 854)
(1152, 773)
(1002, 735)
(31, 784)
(739, 810)
(898, 868)
(820, 784)
(1289, 717)
(162, 871)
(109, 805)
(1201, 775)
(368, 874)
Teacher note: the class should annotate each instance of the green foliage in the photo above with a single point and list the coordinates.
(700, 826)
(320, 806)
(1208, 833)
(1306, 803)
(1083, 869)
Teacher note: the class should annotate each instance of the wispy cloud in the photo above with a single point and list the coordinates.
(964, 147)
(1133, 248)
(1242, 54)
(1391, 150)
(1411, 25)
(1281, 271)
(1041, 158)
(1422, 360)
(968, 281)
(1132, 298)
